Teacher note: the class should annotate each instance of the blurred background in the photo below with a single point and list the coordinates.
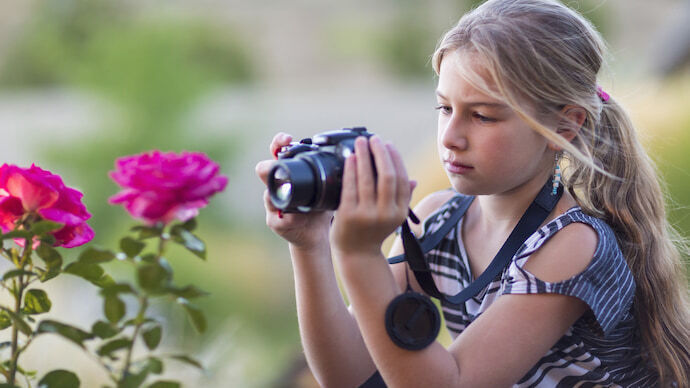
(85, 81)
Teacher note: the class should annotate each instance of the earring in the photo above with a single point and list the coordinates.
(556, 175)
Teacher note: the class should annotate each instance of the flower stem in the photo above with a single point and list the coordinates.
(15, 331)
(17, 310)
(143, 305)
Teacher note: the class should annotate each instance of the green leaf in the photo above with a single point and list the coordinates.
(48, 239)
(114, 308)
(17, 272)
(59, 379)
(153, 277)
(5, 320)
(164, 384)
(149, 258)
(74, 334)
(104, 281)
(148, 231)
(133, 380)
(131, 247)
(44, 227)
(90, 272)
(17, 234)
(152, 336)
(189, 241)
(187, 360)
(36, 302)
(118, 288)
(5, 385)
(104, 330)
(114, 345)
(53, 261)
(5, 345)
(135, 321)
(196, 316)
(154, 365)
(190, 224)
(187, 292)
(96, 256)
(18, 321)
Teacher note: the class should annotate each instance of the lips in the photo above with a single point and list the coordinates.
(455, 167)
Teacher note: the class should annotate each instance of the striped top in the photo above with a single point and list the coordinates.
(602, 348)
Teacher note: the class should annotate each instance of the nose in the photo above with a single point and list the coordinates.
(452, 134)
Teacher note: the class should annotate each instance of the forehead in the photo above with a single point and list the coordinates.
(462, 75)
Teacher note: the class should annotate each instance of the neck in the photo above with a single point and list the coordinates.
(503, 210)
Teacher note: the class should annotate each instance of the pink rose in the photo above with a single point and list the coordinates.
(34, 190)
(163, 186)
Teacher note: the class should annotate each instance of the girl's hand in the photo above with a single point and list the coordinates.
(371, 208)
(305, 231)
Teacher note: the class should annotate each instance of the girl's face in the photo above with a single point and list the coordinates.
(485, 147)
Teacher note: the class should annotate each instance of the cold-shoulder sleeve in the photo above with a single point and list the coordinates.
(606, 285)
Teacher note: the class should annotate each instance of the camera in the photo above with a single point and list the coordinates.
(307, 177)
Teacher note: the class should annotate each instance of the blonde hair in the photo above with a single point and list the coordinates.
(540, 53)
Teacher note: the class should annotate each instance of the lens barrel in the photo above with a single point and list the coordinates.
(291, 184)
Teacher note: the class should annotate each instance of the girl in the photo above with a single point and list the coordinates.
(595, 297)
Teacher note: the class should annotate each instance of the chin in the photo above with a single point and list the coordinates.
(465, 186)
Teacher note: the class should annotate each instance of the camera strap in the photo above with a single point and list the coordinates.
(412, 320)
(534, 216)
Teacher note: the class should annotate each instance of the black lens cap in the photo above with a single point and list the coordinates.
(412, 321)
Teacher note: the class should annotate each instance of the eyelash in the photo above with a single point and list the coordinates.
(443, 109)
(483, 118)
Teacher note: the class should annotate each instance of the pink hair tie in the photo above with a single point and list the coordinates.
(602, 94)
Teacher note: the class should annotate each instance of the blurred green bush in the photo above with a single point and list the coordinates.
(152, 69)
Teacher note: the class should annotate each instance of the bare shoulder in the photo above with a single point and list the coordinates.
(564, 255)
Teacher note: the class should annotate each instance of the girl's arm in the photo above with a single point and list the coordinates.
(331, 339)
(499, 347)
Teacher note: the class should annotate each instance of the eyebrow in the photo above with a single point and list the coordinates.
(476, 103)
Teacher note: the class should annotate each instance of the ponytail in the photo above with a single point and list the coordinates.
(605, 168)
(633, 205)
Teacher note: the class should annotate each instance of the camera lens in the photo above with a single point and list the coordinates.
(291, 184)
(283, 185)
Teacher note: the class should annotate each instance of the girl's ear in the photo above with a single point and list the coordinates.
(570, 120)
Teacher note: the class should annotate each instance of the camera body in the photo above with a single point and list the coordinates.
(307, 177)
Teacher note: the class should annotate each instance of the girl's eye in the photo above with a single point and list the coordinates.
(443, 109)
(483, 118)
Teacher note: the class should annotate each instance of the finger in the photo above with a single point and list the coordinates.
(268, 204)
(280, 140)
(413, 185)
(404, 188)
(366, 187)
(348, 193)
(385, 171)
(262, 168)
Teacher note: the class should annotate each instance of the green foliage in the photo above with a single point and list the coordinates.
(68, 332)
(36, 302)
(152, 68)
(152, 336)
(109, 341)
(406, 45)
(59, 378)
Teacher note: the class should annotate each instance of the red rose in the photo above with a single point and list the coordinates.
(34, 190)
(164, 186)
